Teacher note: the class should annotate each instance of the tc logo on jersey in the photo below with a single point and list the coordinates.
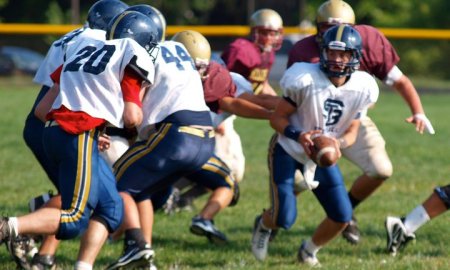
(332, 111)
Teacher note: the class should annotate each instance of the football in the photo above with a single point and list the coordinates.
(324, 152)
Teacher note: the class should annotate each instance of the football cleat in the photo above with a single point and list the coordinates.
(134, 256)
(205, 227)
(303, 256)
(260, 240)
(43, 262)
(22, 248)
(351, 233)
(397, 237)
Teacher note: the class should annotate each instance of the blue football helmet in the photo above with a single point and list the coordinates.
(101, 13)
(134, 25)
(344, 38)
(155, 15)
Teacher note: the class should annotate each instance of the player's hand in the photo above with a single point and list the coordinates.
(421, 122)
(306, 141)
(104, 142)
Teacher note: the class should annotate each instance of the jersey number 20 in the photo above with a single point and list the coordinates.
(96, 59)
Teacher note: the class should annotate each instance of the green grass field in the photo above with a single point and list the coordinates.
(420, 162)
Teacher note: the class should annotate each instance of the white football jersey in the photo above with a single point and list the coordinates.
(177, 86)
(92, 72)
(242, 84)
(55, 55)
(321, 105)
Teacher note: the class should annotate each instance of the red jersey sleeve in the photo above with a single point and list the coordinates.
(56, 74)
(131, 86)
(379, 56)
(217, 85)
(304, 50)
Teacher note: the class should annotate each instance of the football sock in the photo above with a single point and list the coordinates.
(79, 265)
(415, 219)
(353, 200)
(311, 247)
(14, 225)
(135, 236)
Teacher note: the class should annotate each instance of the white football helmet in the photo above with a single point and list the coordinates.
(267, 29)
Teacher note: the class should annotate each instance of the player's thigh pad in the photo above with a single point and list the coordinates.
(332, 193)
(369, 152)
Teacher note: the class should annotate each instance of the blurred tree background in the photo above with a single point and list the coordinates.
(423, 58)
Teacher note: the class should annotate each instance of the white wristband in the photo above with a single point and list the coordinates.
(428, 127)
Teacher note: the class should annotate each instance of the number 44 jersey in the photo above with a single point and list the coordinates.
(92, 73)
(178, 86)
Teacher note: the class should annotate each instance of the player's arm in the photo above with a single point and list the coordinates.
(132, 93)
(44, 106)
(280, 118)
(267, 101)
(349, 136)
(46, 103)
(243, 108)
(409, 93)
(267, 89)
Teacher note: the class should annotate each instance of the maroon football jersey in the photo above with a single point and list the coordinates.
(246, 58)
(379, 56)
(217, 85)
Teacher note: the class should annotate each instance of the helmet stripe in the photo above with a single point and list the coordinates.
(113, 27)
(339, 32)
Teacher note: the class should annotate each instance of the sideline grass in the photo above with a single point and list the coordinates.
(420, 162)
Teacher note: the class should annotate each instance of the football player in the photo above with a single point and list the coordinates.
(379, 59)
(314, 97)
(401, 230)
(98, 18)
(109, 76)
(220, 94)
(253, 57)
(176, 138)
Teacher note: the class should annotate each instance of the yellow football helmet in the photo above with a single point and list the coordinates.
(267, 29)
(335, 12)
(197, 46)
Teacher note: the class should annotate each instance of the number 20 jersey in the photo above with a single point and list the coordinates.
(321, 105)
(92, 73)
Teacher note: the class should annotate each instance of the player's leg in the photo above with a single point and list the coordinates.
(370, 155)
(148, 166)
(283, 209)
(332, 196)
(400, 231)
(216, 176)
